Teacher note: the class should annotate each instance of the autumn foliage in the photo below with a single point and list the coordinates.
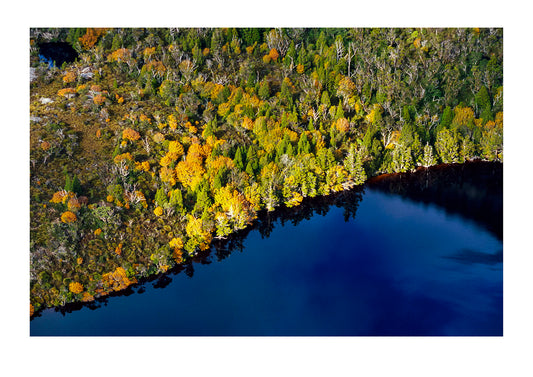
(90, 37)
(75, 287)
(68, 217)
(130, 134)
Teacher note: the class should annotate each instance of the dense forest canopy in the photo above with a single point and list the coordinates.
(155, 141)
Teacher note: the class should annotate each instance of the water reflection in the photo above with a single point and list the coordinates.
(395, 268)
(473, 190)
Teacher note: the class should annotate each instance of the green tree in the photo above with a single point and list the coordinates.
(447, 146)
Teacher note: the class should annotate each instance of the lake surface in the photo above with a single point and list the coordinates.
(373, 262)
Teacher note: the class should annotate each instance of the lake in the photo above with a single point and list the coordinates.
(406, 255)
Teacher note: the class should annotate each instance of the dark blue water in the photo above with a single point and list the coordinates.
(399, 267)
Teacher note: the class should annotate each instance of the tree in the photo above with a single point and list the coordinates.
(447, 146)
(401, 158)
(428, 159)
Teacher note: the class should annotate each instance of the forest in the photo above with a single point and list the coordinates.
(152, 143)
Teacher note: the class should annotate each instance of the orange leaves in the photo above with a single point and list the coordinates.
(69, 77)
(97, 232)
(45, 145)
(66, 92)
(68, 217)
(75, 287)
(90, 37)
(130, 134)
(32, 310)
(274, 54)
(116, 280)
(59, 197)
(87, 297)
(118, 249)
(99, 99)
(247, 123)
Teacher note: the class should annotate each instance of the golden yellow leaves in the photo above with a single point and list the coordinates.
(168, 175)
(158, 211)
(375, 114)
(172, 122)
(118, 249)
(130, 134)
(68, 217)
(124, 156)
(176, 243)
(75, 287)
(175, 151)
(97, 232)
(195, 229)
(463, 115)
(300, 68)
(148, 52)
(144, 166)
(119, 55)
(79, 260)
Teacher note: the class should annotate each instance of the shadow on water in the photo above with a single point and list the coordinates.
(472, 190)
(57, 52)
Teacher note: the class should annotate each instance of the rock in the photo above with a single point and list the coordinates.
(44, 100)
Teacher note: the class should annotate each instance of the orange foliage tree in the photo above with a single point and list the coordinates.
(89, 39)
(75, 287)
(68, 217)
(130, 134)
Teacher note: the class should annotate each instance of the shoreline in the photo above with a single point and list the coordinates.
(279, 212)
